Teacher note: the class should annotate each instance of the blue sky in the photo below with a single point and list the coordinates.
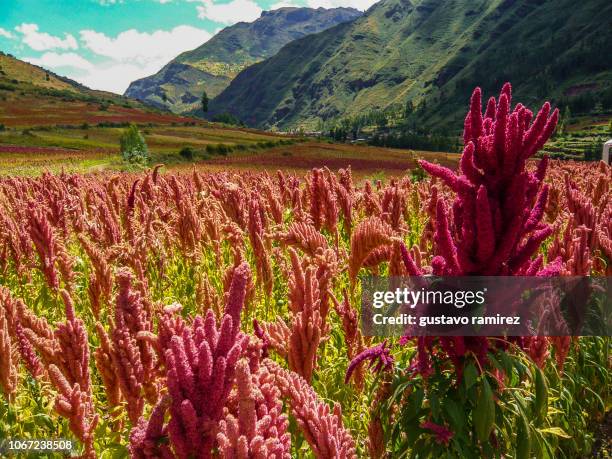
(106, 44)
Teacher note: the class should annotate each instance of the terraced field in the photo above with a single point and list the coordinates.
(85, 149)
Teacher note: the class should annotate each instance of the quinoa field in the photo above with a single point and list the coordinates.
(214, 310)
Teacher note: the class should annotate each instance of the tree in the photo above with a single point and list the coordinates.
(563, 122)
(205, 102)
(409, 110)
(187, 153)
(134, 149)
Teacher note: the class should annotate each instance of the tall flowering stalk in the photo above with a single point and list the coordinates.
(322, 427)
(147, 438)
(8, 370)
(131, 312)
(257, 428)
(75, 404)
(494, 227)
(256, 226)
(200, 368)
(369, 235)
(71, 378)
(44, 241)
(496, 223)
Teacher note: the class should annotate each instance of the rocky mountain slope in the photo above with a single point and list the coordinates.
(211, 67)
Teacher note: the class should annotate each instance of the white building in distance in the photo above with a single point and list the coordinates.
(606, 154)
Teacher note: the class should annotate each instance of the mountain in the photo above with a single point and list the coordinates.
(211, 67)
(33, 96)
(430, 52)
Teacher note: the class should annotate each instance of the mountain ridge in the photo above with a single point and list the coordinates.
(429, 52)
(179, 85)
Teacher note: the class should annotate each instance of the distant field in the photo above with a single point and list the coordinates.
(91, 148)
(364, 160)
(31, 151)
(25, 111)
(584, 136)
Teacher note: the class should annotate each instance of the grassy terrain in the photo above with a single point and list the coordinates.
(365, 161)
(51, 123)
(29, 151)
(430, 52)
(31, 96)
(582, 139)
(215, 149)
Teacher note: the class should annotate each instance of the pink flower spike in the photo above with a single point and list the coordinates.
(411, 267)
(442, 434)
(379, 357)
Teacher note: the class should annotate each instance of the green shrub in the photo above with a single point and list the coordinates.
(187, 153)
(134, 149)
(223, 149)
(2, 127)
(227, 118)
(417, 174)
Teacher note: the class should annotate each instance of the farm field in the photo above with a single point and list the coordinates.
(212, 308)
(87, 149)
(300, 158)
(581, 139)
(93, 149)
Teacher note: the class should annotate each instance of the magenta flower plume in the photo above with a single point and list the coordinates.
(200, 365)
(257, 428)
(147, 438)
(237, 294)
(442, 434)
(496, 225)
(322, 428)
(379, 357)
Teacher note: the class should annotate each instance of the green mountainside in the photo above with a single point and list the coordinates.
(432, 53)
(25, 79)
(211, 67)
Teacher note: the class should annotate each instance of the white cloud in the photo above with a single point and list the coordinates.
(144, 48)
(115, 76)
(42, 41)
(54, 60)
(129, 56)
(229, 13)
(283, 4)
(357, 4)
(5, 33)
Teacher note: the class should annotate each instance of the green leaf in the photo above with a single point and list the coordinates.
(558, 431)
(470, 375)
(455, 414)
(523, 439)
(484, 414)
(541, 395)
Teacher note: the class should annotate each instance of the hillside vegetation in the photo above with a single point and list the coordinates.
(48, 122)
(430, 52)
(32, 96)
(211, 67)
